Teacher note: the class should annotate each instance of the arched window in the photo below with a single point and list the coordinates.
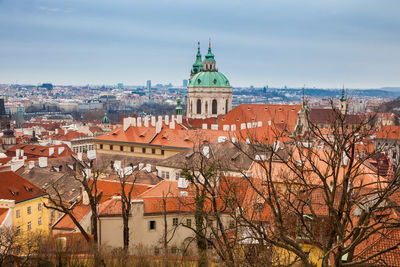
(198, 106)
(214, 106)
(226, 106)
(206, 110)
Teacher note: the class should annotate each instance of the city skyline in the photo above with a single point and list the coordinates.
(277, 43)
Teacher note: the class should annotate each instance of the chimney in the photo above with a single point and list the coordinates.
(242, 126)
(117, 165)
(60, 150)
(166, 120)
(259, 124)
(31, 164)
(225, 127)
(126, 123)
(172, 124)
(158, 126)
(66, 131)
(17, 153)
(173, 118)
(233, 127)
(139, 122)
(214, 126)
(249, 125)
(16, 165)
(132, 121)
(43, 162)
(204, 126)
(153, 121)
(51, 151)
(146, 121)
(141, 165)
(85, 197)
(269, 123)
(148, 168)
(179, 119)
(21, 153)
(56, 132)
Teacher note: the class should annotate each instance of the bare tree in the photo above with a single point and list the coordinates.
(321, 193)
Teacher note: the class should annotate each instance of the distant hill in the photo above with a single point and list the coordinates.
(391, 106)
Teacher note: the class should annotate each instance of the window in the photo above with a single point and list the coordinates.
(121, 148)
(29, 226)
(18, 230)
(162, 152)
(153, 151)
(214, 106)
(231, 224)
(101, 146)
(175, 221)
(167, 175)
(39, 206)
(143, 150)
(132, 149)
(18, 213)
(174, 250)
(177, 175)
(40, 221)
(28, 210)
(198, 106)
(152, 225)
(111, 147)
(189, 222)
(156, 251)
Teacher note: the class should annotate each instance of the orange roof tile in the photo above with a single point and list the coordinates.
(15, 187)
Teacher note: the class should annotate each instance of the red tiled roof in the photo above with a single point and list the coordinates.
(167, 137)
(277, 114)
(66, 223)
(69, 136)
(382, 243)
(389, 132)
(40, 151)
(3, 214)
(15, 187)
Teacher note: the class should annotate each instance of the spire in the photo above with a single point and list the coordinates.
(209, 56)
(198, 64)
(343, 98)
(178, 108)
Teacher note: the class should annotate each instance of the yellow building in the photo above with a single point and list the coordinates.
(27, 214)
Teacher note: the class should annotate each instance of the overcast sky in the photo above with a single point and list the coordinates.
(321, 43)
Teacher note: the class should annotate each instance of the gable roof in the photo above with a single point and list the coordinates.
(15, 187)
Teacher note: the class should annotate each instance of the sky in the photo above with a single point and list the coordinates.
(316, 43)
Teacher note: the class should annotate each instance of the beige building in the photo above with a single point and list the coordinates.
(147, 223)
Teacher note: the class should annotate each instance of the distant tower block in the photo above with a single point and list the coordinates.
(209, 91)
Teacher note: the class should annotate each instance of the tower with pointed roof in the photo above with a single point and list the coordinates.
(198, 64)
(178, 108)
(209, 91)
(343, 102)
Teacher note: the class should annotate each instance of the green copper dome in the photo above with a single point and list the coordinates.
(209, 79)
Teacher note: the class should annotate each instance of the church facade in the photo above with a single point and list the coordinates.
(209, 91)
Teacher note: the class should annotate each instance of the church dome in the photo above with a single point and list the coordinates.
(209, 79)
